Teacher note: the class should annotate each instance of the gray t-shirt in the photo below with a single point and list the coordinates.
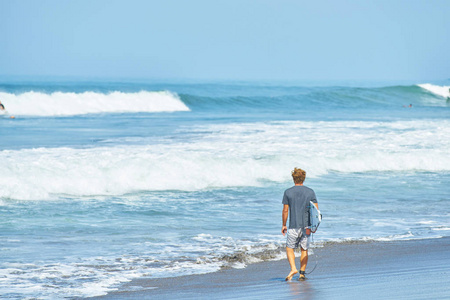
(298, 197)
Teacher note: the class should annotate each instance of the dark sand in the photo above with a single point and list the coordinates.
(417, 269)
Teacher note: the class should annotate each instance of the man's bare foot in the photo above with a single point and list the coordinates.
(289, 277)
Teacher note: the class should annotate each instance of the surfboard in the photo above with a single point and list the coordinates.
(4, 114)
(315, 217)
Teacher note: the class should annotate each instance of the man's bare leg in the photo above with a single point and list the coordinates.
(291, 258)
(303, 263)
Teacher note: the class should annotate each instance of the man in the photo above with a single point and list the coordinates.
(296, 204)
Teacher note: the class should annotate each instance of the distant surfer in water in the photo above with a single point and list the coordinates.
(2, 108)
(295, 205)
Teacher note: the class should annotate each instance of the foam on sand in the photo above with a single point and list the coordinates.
(390, 270)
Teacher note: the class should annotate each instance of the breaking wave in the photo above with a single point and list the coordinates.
(69, 101)
(69, 104)
(246, 154)
(442, 91)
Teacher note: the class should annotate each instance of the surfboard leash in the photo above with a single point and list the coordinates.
(315, 266)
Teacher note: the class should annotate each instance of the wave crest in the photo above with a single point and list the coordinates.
(69, 104)
(442, 91)
(246, 154)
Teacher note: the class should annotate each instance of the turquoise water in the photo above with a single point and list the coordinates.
(106, 182)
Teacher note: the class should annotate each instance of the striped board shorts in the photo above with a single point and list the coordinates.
(296, 237)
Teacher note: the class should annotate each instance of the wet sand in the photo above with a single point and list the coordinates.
(417, 269)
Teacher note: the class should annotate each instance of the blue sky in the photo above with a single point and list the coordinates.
(226, 39)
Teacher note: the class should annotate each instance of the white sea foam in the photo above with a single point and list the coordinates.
(439, 90)
(227, 155)
(396, 237)
(59, 280)
(66, 104)
(95, 276)
(427, 222)
(443, 228)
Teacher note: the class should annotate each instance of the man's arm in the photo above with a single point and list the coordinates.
(285, 217)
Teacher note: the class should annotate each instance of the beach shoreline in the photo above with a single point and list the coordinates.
(412, 269)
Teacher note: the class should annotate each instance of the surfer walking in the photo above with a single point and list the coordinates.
(295, 205)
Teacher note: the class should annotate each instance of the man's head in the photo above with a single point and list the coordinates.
(298, 175)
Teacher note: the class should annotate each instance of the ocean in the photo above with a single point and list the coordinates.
(104, 182)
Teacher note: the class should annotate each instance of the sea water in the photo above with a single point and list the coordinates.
(103, 182)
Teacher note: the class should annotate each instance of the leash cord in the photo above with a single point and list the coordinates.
(312, 242)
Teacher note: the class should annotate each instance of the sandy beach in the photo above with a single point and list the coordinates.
(415, 269)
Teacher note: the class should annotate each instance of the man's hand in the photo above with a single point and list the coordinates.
(284, 217)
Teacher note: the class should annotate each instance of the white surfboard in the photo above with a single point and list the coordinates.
(315, 217)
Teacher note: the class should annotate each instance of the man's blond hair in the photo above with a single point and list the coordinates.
(298, 175)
